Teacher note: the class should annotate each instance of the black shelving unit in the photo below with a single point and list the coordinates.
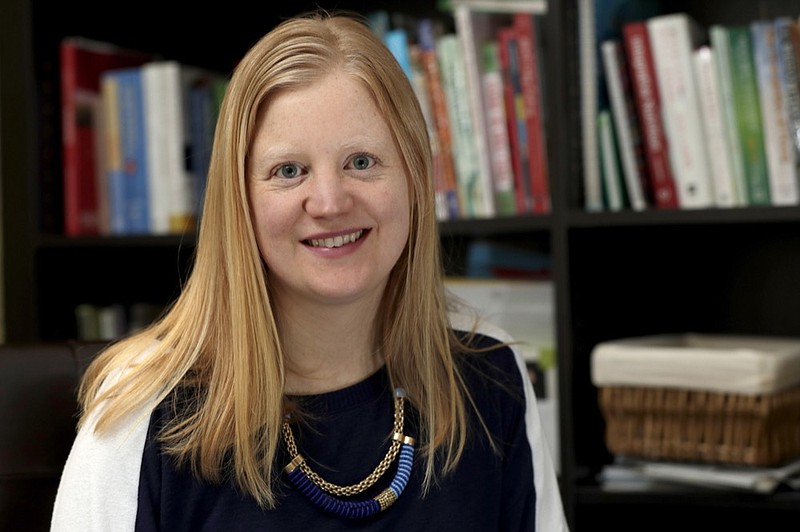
(615, 274)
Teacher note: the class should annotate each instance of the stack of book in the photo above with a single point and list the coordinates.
(137, 134)
(693, 117)
(480, 84)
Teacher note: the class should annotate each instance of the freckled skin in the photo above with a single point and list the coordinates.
(323, 164)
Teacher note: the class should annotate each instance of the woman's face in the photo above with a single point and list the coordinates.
(328, 193)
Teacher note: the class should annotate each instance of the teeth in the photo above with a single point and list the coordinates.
(336, 242)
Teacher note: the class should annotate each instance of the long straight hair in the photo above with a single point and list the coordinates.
(220, 335)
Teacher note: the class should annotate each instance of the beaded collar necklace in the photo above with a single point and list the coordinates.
(332, 497)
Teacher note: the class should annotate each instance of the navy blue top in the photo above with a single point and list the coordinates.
(348, 436)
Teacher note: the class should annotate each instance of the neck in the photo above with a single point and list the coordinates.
(328, 348)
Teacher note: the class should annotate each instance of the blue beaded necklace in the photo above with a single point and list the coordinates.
(328, 496)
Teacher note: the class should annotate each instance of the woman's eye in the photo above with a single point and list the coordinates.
(362, 162)
(288, 171)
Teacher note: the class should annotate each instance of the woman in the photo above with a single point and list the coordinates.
(309, 376)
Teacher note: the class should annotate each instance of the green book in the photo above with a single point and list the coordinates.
(744, 109)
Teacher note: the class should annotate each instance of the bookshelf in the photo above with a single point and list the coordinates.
(615, 274)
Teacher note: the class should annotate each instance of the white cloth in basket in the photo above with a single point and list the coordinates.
(748, 365)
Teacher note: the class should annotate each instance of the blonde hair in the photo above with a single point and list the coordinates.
(221, 335)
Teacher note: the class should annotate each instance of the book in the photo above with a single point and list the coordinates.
(626, 125)
(788, 43)
(673, 39)
(81, 63)
(631, 473)
(396, 40)
(531, 86)
(613, 194)
(600, 20)
(133, 149)
(419, 82)
(111, 180)
(474, 201)
(715, 127)
(781, 164)
(517, 128)
(636, 43)
(444, 165)
(476, 29)
(205, 98)
(172, 181)
(499, 147)
(739, 85)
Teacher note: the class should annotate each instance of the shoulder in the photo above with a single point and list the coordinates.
(98, 488)
(99, 483)
(496, 350)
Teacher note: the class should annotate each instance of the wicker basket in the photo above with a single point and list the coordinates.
(708, 427)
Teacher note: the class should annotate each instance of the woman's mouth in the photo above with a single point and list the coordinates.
(336, 241)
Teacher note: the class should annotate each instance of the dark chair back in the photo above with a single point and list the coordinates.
(38, 415)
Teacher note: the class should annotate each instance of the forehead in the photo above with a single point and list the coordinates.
(336, 105)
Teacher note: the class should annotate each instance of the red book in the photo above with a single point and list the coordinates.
(509, 66)
(648, 110)
(82, 62)
(530, 81)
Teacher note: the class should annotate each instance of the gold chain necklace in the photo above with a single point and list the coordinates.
(318, 489)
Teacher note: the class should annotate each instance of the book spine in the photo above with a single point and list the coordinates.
(80, 111)
(625, 123)
(473, 29)
(396, 41)
(777, 144)
(721, 46)
(113, 171)
(663, 193)
(748, 114)
(155, 91)
(133, 143)
(673, 39)
(451, 65)
(497, 132)
(714, 126)
(611, 172)
(591, 177)
(530, 86)
(419, 82)
(788, 42)
(509, 61)
(439, 114)
(203, 117)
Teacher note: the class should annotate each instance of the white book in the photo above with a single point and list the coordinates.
(171, 182)
(473, 29)
(475, 201)
(777, 143)
(625, 122)
(673, 39)
(715, 127)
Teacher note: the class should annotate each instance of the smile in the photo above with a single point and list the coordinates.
(335, 242)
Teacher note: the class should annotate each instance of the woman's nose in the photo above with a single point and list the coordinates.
(328, 194)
